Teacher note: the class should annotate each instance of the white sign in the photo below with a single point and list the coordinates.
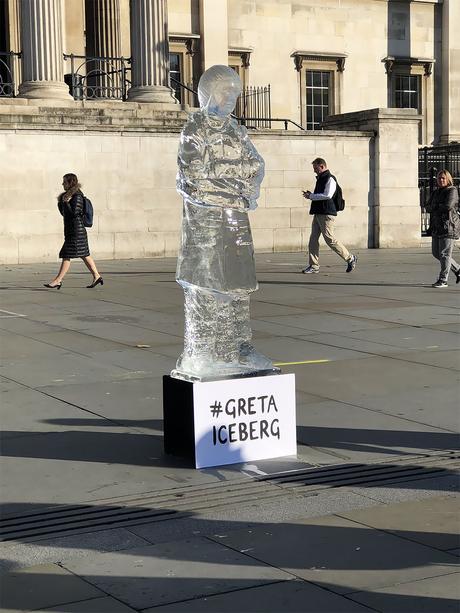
(238, 420)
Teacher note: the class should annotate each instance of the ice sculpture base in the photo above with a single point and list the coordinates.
(178, 374)
(229, 421)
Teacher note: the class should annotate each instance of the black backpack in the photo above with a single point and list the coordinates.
(337, 198)
(88, 212)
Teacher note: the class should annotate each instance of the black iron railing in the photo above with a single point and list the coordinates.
(254, 106)
(8, 73)
(286, 122)
(245, 119)
(430, 161)
(94, 78)
(185, 94)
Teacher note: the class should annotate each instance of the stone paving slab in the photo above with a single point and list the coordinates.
(46, 550)
(422, 315)
(326, 322)
(408, 337)
(264, 310)
(343, 341)
(362, 435)
(448, 482)
(78, 342)
(24, 326)
(135, 360)
(394, 339)
(300, 349)
(340, 554)
(95, 605)
(171, 572)
(86, 465)
(134, 398)
(216, 523)
(287, 597)
(14, 352)
(121, 332)
(434, 522)
(267, 329)
(431, 595)
(441, 359)
(41, 413)
(455, 328)
(43, 586)
(59, 371)
(411, 395)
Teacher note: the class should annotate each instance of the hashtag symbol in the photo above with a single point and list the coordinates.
(216, 409)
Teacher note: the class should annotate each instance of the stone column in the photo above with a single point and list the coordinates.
(450, 72)
(150, 52)
(214, 32)
(42, 59)
(103, 39)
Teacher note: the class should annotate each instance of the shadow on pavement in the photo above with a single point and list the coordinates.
(321, 558)
(368, 441)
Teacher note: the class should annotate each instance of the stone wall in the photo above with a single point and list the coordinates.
(394, 203)
(125, 157)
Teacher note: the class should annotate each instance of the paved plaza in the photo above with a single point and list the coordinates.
(97, 519)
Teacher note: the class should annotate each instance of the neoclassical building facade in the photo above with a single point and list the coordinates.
(319, 58)
(102, 87)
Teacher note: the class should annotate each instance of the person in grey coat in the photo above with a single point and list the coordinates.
(444, 226)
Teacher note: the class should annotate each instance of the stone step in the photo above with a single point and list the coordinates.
(134, 116)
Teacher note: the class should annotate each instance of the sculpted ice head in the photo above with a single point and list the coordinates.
(218, 90)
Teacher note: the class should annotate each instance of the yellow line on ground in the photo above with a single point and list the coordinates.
(295, 363)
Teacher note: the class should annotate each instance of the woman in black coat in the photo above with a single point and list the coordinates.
(444, 225)
(71, 207)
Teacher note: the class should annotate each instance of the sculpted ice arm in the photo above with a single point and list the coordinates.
(202, 178)
(255, 166)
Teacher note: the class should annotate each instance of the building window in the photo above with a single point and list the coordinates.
(410, 86)
(184, 66)
(406, 91)
(318, 83)
(175, 73)
(239, 59)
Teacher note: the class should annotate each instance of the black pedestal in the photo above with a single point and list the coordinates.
(178, 420)
(229, 421)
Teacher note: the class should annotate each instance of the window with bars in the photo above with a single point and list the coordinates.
(406, 91)
(318, 84)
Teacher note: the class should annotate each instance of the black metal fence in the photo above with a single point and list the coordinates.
(9, 69)
(430, 161)
(184, 93)
(93, 78)
(253, 107)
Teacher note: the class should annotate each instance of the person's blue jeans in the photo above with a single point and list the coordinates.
(441, 248)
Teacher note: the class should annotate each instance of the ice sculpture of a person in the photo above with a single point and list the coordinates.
(219, 177)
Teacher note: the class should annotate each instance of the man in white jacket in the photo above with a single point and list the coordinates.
(324, 214)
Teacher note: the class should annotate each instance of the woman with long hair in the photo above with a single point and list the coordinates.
(444, 226)
(71, 207)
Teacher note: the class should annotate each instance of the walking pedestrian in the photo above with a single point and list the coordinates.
(324, 213)
(444, 225)
(71, 207)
